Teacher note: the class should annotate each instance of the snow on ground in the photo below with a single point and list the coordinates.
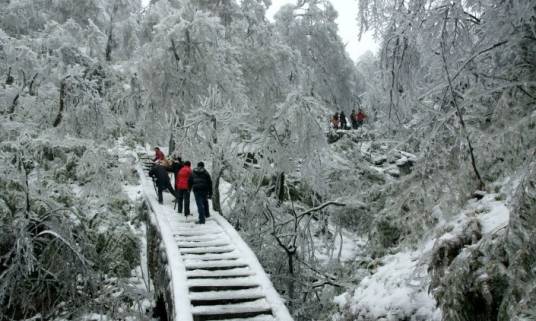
(394, 292)
(496, 217)
(328, 250)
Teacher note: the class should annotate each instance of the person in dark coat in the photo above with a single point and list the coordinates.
(342, 117)
(201, 184)
(182, 186)
(353, 119)
(160, 173)
(175, 167)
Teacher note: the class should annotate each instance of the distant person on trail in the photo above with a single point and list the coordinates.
(353, 119)
(182, 187)
(158, 155)
(343, 120)
(360, 118)
(201, 184)
(160, 173)
(335, 121)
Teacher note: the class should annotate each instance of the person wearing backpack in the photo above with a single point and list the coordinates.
(182, 187)
(201, 184)
(160, 173)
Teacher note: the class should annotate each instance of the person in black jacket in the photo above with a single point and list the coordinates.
(162, 181)
(201, 183)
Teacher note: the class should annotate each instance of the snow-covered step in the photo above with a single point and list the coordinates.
(257, 306)
(263, 317)
(210, 249)
(199, 238)
(197, 233)
(182, 243)
(211, 257)
(245, 271)
(195, 228)
(253, 293)
(192, 265)
(229, 282)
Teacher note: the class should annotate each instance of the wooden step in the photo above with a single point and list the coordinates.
(247, 281)
(197, 228)
(211, 257)
(249, 309)
(203, 250)
(207, 265)
(263, 317)
(197, 233)
(185, 244)
(236, 272)
(199, 238)
(253, 293)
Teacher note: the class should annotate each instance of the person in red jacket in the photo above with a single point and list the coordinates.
(360, 118)
(182, 187)
(158, 155)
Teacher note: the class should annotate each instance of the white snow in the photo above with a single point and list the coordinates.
(279, 309)
(496, 217)
(254, 293)
(253, 306)
(178, 271)
(389, 292)
(227, 282)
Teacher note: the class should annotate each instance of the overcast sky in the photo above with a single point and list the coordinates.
(348, 29)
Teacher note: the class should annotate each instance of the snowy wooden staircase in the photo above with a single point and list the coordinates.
(214, 274)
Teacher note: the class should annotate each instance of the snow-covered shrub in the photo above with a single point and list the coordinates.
(520, 299)
(58, 245)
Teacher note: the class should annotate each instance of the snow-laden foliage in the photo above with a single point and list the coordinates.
(63, 236)
(450, 106)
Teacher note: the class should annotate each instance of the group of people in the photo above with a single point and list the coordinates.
(339, 120)
(197, 180)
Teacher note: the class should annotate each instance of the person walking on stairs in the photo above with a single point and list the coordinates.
(182, 187)
(201, 184)
(158, 155)
(160, 173)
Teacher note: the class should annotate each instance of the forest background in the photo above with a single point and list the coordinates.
(451, 129)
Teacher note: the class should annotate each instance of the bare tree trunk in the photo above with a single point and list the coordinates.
(455, 103)
(291, 285)
(216, 202)
(59, 117)
(14, 104)
(31, 89)
(280, 187)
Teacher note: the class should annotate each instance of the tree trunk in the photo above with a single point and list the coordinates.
(59, 117)
(171, 144)
(291, 285)
(216, 203)
(280, 187)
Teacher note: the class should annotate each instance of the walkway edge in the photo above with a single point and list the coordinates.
(279, 309)
(182, 307)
